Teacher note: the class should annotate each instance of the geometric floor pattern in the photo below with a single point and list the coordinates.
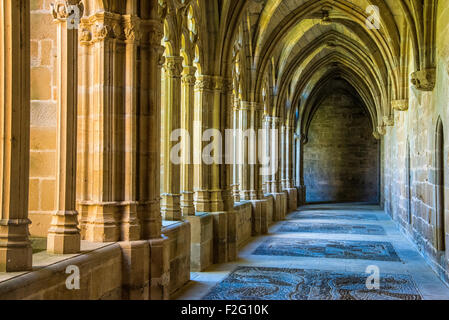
(255, 283)
(323, 254)
(330, 249)
(332, 216)
(332, 228)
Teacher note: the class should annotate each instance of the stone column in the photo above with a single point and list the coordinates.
(150, 97)
(236, 171)
(204, 99)
(228, 170)
(15, 248)
(64, 235)
(283, 150)
(275, 149)
(244, 154)
(187, 110)
(267, 153)
(130, 226)
(260, 223)
(276, 186)
(101, 197)
(290, 155)
(171, 198)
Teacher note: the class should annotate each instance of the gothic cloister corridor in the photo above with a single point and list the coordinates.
(224, 149)
(322, 252)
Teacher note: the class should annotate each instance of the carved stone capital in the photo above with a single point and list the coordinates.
(173, 66)
(85, 36)
(400, 105)
(205, 83)
(389, 121)
(131, 29)
(152, 32)
(424, 80)
(63, 10)
(188, 76)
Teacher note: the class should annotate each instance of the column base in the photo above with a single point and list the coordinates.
(187, 207)
(201, 235)
(130, 226)
(135, 270)
(171, 207)
(159, 269)
(59, 243)
(102, 224)
(16, 259)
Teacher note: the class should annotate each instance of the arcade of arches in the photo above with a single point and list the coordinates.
(91, 91)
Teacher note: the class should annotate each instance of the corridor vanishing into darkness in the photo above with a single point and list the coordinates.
(323, 252)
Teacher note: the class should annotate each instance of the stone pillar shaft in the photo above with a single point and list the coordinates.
(187, 112)
(150, 97)
(130, 226)
(275, 150)
(15, 248)
(204, 99)
(171, 205)
(290, 155)
(244, 153)
(236, 171)
(64, 235)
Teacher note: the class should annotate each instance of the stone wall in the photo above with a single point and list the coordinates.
(341, 157)
(417, 214)
(243, 212)
(178, 234)
(43, 117)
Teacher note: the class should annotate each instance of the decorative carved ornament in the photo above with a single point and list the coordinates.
(400, 105)
(424, 80)
(65, 9)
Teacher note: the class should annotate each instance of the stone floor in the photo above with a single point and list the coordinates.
(323, 252)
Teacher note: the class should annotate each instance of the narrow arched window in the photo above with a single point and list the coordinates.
(440, 201)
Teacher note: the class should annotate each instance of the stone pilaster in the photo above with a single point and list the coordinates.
(64, 236)
(204, 100)
(150, 96)
(187, 110)
(290, 156)
(171, 198)
(100, 198)
(15, 248)
(236, 145)
(244, 153)
(275, 183)
(130, 225)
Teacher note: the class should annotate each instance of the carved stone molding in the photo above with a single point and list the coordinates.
(424, 80)
(400, 105)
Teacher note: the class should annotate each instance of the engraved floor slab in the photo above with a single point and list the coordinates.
(261, 283)
(335, 249)
(367, 229)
